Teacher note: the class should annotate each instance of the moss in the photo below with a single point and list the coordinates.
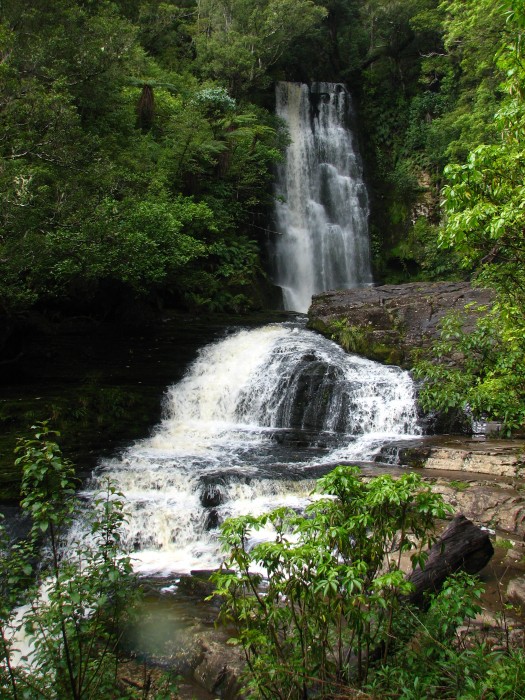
(356, 339)
(459, 485)
(315, 324)
(362, 340)
(387, 354)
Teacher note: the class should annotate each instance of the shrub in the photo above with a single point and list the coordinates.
(72, 599)
(332, 597)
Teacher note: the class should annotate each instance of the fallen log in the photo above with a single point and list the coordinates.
(462, 547)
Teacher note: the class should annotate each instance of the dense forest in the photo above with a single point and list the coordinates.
(138, 147)
(138, 138)
(139, 144)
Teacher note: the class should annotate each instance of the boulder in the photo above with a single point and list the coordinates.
(220, 669)
(211, 496)
(389, 322)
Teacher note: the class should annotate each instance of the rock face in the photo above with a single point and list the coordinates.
(483, 479)
(501, 508)
(497, 461)
(387, 323)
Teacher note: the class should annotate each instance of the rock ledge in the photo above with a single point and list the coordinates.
(387, 323)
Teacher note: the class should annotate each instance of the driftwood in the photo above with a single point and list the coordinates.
(462, 547)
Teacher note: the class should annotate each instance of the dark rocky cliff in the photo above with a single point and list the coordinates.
(388, 323)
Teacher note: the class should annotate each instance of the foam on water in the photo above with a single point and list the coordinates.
(241, 434)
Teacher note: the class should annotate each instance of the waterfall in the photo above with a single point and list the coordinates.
(245, 431)
(321, 199)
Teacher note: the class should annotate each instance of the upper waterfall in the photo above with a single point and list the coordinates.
(321, 199)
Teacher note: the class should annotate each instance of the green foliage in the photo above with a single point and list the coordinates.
(215, 98)
(328, 618)
(76, 601)
(477, 369)
(334, 586)
(438, 661)
(459, 485)
(484, 202)
(97, 193)
(419, 256)
(238, 41)
(351, 338)
(443, 659)
(362, 341)
(430, 90)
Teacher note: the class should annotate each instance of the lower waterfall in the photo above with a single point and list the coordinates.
(247, 429)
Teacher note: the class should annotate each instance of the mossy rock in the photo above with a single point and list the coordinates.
(391, 323)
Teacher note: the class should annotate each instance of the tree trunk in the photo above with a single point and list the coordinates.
(462, 547)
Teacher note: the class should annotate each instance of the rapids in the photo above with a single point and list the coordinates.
(247, 429)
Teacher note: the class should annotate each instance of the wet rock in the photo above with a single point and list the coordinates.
(389, 322)
(211, 496)
(220, 669)
(487, 628)
(409, 455)
(212, 520)
(198, 583)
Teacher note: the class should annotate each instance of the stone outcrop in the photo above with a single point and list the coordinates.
(495, 458)
(387, 323)
(483, 479)
(501, 508)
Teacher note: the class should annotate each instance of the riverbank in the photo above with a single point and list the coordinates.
(138, 363)
(482, 478)
(493, 497)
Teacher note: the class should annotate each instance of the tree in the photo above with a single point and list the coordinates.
(76, 597)
(98, 194)
(484, 204)
(484, 198)
(237, 41)
(63, 68)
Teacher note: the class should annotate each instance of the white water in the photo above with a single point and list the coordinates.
(322, 203)
(245, 431)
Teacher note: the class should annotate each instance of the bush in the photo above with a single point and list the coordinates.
(328, 619)
(332, 599)
(73, 600)
(479, 370)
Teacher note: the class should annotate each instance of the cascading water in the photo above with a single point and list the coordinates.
(261, 413)
(322, 204)
(245, 431)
